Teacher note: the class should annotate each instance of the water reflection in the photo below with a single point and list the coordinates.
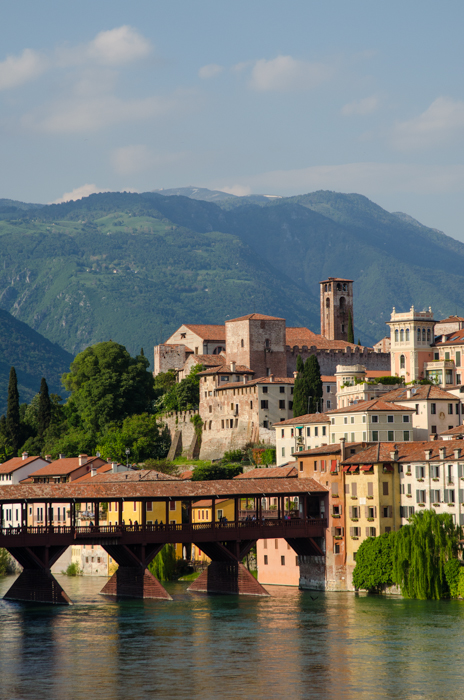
(293, 644)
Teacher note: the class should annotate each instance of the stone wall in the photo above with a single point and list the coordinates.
(312, 573)
(329, 359)
(168, 357)
(180, 422)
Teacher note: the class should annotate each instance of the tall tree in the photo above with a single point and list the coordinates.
(300, 392)
(350, 328)
(13, 422)
(421, 550)
(45, 408)
(312, 372)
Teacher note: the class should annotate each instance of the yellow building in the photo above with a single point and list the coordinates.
(372, 496)
(156, 513)
(202, 513)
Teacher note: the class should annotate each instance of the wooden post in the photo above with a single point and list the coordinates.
(278, 507)
(46, 514)
(97, 513)
(167, 512)
(237, 502)
(213, 512)
(144, 515)
(190, 513)
(120, 513)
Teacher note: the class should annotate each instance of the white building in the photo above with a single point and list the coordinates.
(371, 421)
(299, 434)
(435, 410)
(12, 473)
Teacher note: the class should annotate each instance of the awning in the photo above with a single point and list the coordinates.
(366, 467)
(333, 467)
(345, 468)
(354, 467)
(388, 467)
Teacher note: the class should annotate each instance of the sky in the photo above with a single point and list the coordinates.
(250, 96)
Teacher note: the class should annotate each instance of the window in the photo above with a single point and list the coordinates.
(433, 429)
(364, 419)
(421, 496)
(265, 389)
(433, 409)
(282, 432)
(323, 430)
(316, 431)
(267, 343)
(265, 560)
(396, 335)
(447, 356)
(283, 451)
(281, 404)
(407, 335)
(290, 404)
(242, 344)
(371, 532)
(390, 437)
(406, 435)
(402, 362)
(390, 419)
(450, 409)
(428, 335)
(308, 432)
(135, 505)
(418, 335)
(374, 419)
(224, 379)
(264, 403)
(401, 335)
(436, 356)
(423, 335)
(301, 466)
(328, 404)
(385, 488)
(276, 544)
(291, 432)
(352, 419)
(405, 419)
(282, 561)
(265, 424)
(345, 420)
(327, 389)
(457, 359)
(149, 505)
(336, 549)
(172, 505)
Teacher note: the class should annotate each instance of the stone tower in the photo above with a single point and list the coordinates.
(412, 337)
(336, 306)
(258, 342)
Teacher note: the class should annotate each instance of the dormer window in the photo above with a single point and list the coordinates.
(267, 343)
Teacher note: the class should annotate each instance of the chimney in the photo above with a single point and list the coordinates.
(25, 455)
(48, 458)
(457, 453)
(394, 455)
(82, 460)
(114, 467)
(342, 449)
(232, 366)
(61, 456)
(408, 393)
(93, 471)
(245, 379)
(428, 454)
(271, 377)
(295, 375)
(432, 437)
(442, 451)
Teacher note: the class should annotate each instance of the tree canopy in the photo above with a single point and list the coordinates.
(374, 563)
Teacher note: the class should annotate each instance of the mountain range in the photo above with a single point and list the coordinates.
(133, 267)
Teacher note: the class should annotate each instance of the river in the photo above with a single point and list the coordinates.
(198, 647)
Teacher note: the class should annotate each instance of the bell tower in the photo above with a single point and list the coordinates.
(336, 307)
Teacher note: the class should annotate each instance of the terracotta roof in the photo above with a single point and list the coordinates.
(208, 359)
(207, 332)
(207, 502)
(255, 317)
(104, 469)
(458, 430)
(254, 382)
(288, 470)
(456, 338)
(328, 379)
(66, 465)
(372, 405)
(374, 373)
(16, 463)
(335, 279)
(306, 419)
(334, 448)
(422, 392)
(225, 369)
(130, 476)
(158, 489)
(450, 319)
(187, 474)
(303, 336)
(407, 451)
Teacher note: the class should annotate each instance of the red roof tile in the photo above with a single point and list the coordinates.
(303, 336)
(459, 430)
(254, 382)
(288, 470)
(66, 465)
(207, 332)
(16, 463)
(456, 338)
(328, 379)
(421, 393)
(225, 369)
(407, 451)
(334, 448)
(255, 317)
(207, 502)
(372, 405)
(306, 419)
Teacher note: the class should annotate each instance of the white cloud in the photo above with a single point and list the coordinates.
(372, 179)
(286, 73)
(78, 193)
(210, 71)
(16, 70)
(83, 114)
(361, 107)
(129, 160)
(440, 122)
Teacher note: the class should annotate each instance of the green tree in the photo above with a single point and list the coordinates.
(142, 434)
(350, 334)
(216, 472)
(45, 408)
(300, 390)
(107, 385)
(269, 456)
(6, 565)
(452, 574)
(421, 551)
(374, 563)
(312, 373)
(183, 396)
(163, 566)
(13, 421)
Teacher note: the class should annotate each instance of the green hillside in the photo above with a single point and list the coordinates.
(33, 357)
(133, 267)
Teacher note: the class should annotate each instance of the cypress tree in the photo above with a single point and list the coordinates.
(3, 427)
(141, 352)
(359, 341)
(312, 373)
(45, 410)
(12, 413)
(300, 394)
(350, 328)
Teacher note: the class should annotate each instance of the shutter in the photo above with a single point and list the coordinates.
(461, 495)
(417, 471)
(390, 511)
(347, 488)
(432, 496)
(354, 489)
(351, 531)
(342, 530)
(459, 470)
(340, 510)
(446, 495)
(370, 488)
(375, 511)
(401, 512)
(332, 531)
(367, 532)
(350, 511)
(418, 497)
(366, 510)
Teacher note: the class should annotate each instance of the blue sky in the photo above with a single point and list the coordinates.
(250, 97)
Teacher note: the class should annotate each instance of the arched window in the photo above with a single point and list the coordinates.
(423, 334)
(418, 335)
(330, 287)
(396, 335)
(325, 287)
(327, 303)
(401, 335)
(242, 344)
(407, 335)
(428, 335)
(345, 288)
(342, 303)
(402, 362)
(339, 287)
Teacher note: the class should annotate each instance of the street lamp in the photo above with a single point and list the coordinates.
(127, 457)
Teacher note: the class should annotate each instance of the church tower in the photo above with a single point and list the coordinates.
(336, 307)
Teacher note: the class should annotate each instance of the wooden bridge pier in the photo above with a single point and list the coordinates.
(132, 579)
(36, 584)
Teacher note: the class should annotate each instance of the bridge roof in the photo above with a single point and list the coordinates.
(158, 490)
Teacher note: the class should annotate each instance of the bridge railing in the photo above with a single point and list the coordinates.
(271, 523)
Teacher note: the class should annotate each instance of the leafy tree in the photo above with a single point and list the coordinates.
(374, 563)
(6, 565)
(45, 408)
(163, 382)
(233, 456)
(269, 456)
(183, 396)
(452, 574)
(216, 472)
(12, 414)
(421, 551)
(161, 465)
(300, 390)
(312, 373)
(350, 334)
(142, 434)
(107, 385)
(163, 566)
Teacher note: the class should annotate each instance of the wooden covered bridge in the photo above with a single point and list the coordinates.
(37, 548)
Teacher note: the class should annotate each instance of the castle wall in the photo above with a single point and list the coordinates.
(181, 421)
(263, 348)
(168, 357)
(329, 359)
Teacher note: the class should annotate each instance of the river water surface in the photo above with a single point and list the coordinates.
(198, 647)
